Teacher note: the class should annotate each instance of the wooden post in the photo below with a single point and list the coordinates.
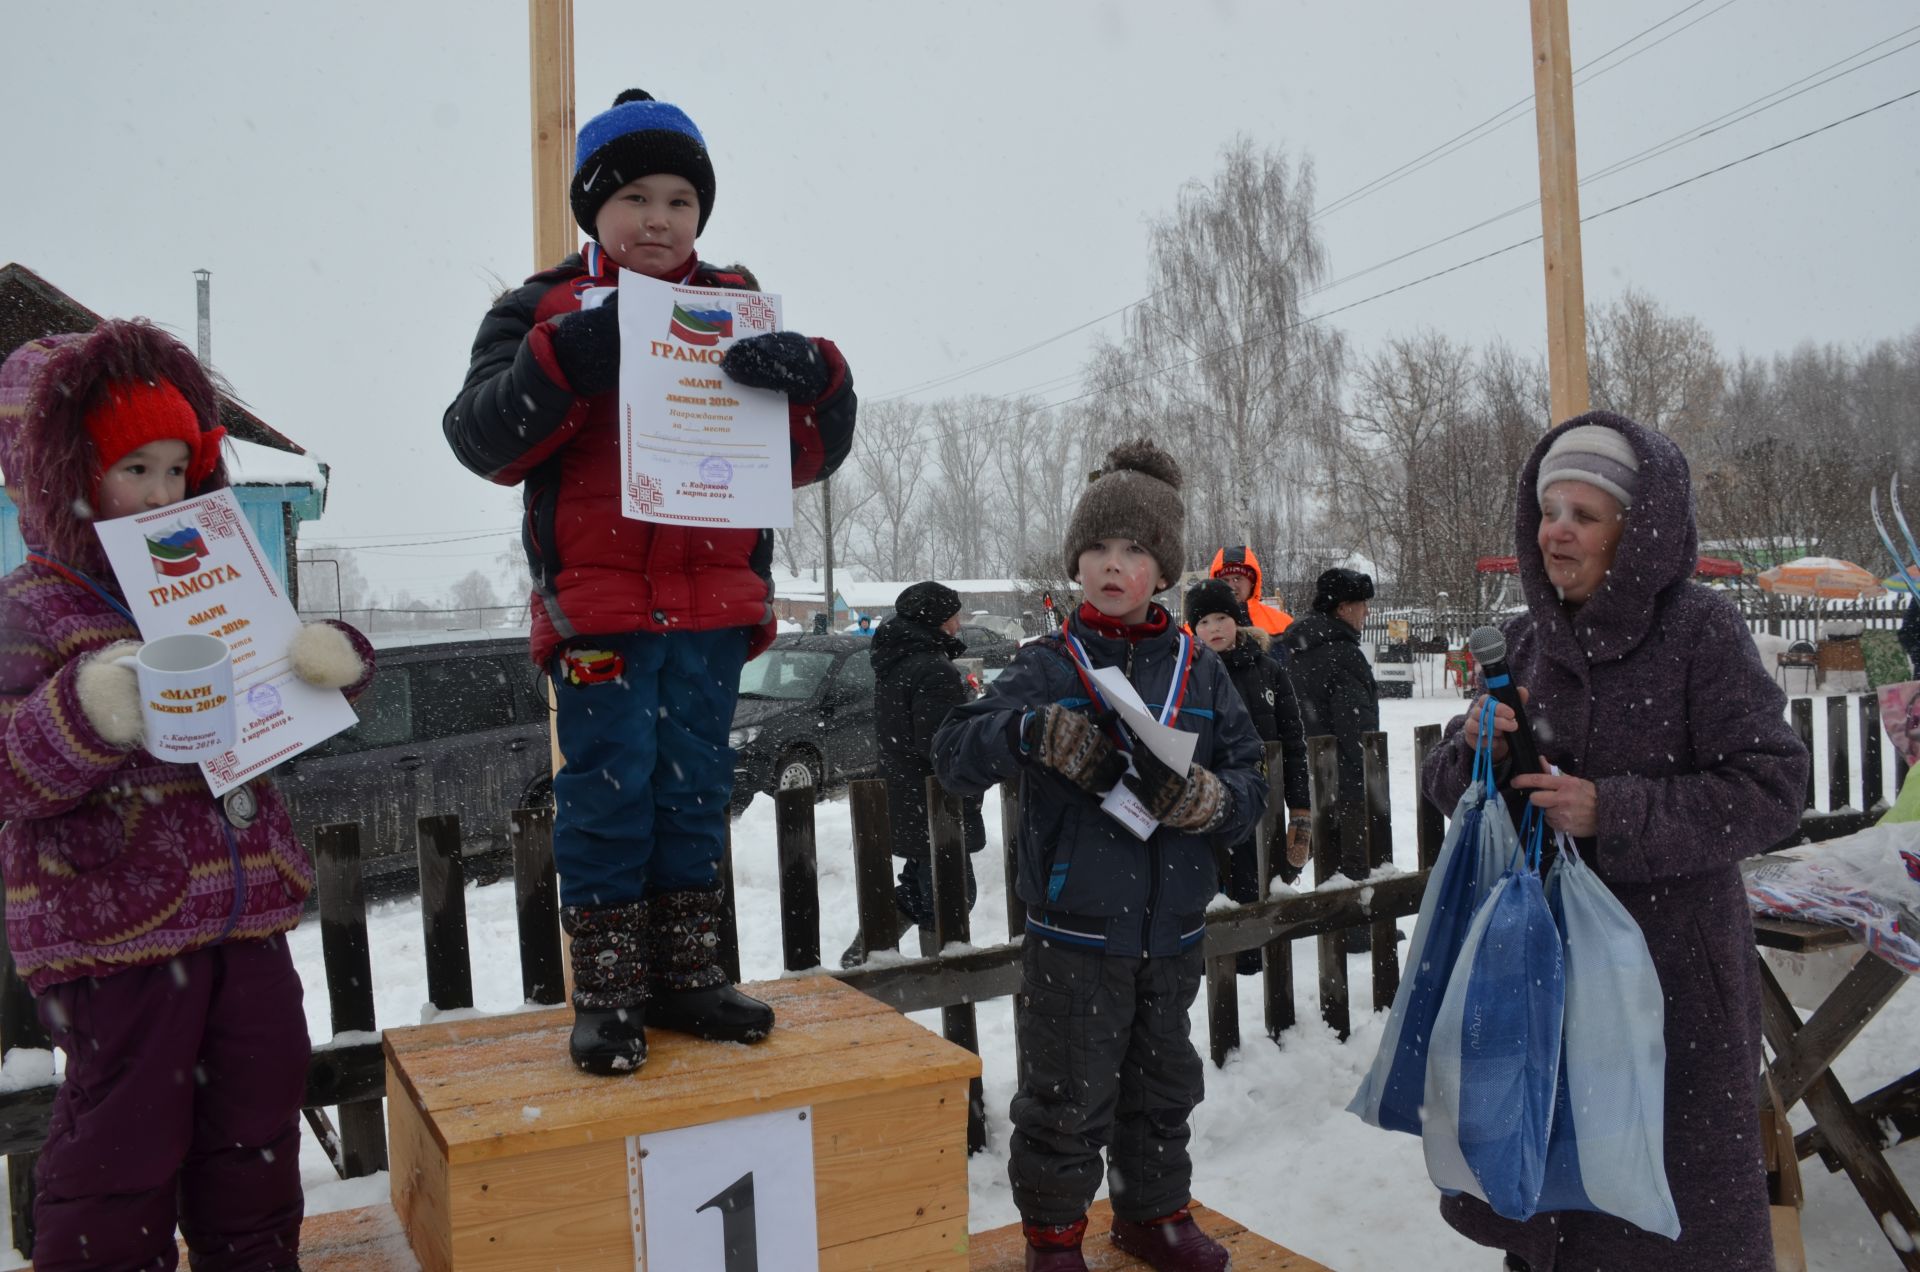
(1010, 858)
(550, 92)
(1386, 954)
(536, 895)
(550, 49)
(1839, 779)
(1323, 768)
(947, 842)
(348, 958)
(1559, 209)
(799, 878)
(873, 863)
(1871, 787)
(1277, 964)
(1429, 827)
(443, 913)
(1800, 715)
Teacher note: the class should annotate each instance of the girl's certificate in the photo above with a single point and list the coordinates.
(194, 566)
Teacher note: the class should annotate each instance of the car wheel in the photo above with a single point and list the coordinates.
(799, 767)
(539, 795)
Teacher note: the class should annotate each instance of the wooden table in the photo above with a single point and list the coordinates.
(1848, 1136)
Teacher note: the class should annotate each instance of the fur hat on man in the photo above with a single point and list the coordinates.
(635, 138)
(1136, 496)
(928, 602)
(1214, 596)
(1595, 454)
(1338, 586)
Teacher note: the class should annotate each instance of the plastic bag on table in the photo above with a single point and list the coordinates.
(1606, 1150)
(1494, 1063)
(1479, 843)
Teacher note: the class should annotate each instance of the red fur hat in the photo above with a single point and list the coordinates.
(132, 413)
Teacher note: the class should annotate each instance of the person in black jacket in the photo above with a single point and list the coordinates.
(915, 686)
(1339, 699)
(1218, 618)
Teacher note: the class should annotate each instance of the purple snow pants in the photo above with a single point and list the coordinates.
(181, 1104)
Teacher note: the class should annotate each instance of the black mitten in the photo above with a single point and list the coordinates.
(588, 347)
(782, 360)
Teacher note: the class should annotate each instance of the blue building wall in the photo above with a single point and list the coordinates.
(264, 506)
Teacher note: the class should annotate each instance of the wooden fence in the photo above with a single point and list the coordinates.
(347, 1073)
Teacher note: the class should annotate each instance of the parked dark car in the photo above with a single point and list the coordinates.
(993, 650)
(454, 722)
(805, 716)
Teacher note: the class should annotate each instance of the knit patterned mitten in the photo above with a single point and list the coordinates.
(1195, 802)
(1072, 745)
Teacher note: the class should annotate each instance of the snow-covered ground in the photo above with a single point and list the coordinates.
(1273, 1146)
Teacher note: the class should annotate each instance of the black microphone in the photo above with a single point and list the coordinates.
(1489, 649)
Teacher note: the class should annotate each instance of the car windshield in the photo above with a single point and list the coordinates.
(791, 675)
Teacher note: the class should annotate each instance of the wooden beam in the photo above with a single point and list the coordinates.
(550, 46)
(1559, 209)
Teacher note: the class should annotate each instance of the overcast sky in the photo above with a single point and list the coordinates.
(931, 186)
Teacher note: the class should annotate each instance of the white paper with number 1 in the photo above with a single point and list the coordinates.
(697, 448)
(194, 567)
(732, 1196)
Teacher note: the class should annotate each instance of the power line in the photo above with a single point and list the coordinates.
(1451, 269)
(1507, 115)
(347, 537)
(416, 543)
(1685, 137)
(1498, 119)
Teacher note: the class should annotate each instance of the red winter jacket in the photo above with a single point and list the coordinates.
(596, 572)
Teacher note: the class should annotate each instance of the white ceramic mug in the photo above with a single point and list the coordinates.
(186, 695)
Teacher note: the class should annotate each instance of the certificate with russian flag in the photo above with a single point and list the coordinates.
(697, 448)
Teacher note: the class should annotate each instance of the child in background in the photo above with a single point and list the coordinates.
(643, 627)
(145, 915)
(1218, 617)
(1112, 958)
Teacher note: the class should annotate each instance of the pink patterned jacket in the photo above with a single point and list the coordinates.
(111, 858)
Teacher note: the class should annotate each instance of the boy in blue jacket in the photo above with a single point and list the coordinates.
(1115, 911)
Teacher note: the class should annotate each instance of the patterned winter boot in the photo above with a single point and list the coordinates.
(609, 986)
(1171, 1243)
(689, 991)
(1055, 1247)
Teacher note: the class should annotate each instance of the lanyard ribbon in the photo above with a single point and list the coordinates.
(72, 575)
(1176, 687)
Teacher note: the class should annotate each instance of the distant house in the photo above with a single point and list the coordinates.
(277, 483)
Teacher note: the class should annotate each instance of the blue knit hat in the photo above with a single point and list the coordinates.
(637, 138)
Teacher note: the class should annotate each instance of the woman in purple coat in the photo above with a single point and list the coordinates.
(1646, 690)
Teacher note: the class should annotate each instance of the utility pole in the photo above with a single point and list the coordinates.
(550, 44)
(203, 297)
(826, 516)
(1559, 209)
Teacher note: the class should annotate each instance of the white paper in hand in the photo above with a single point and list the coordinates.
(1125, 807)
(1173, 747)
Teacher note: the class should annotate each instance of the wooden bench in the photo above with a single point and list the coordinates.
(1849, 1136)
(1004, 1249)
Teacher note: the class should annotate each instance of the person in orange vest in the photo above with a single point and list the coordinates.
(1241, 569)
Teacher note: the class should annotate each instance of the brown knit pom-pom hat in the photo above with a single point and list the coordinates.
(1135, 495)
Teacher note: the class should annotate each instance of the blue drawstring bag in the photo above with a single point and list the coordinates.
(1479, 843)
(1494, 1062)
(1606, 1152)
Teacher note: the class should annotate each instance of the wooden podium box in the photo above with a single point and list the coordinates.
(504, 1156)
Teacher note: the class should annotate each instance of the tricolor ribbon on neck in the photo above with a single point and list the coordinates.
(1176, 687)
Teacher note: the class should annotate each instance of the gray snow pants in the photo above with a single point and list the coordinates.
(1104, 1061)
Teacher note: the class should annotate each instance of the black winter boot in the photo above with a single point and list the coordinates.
(609, 959)
(1171, 1243)
(688, 990)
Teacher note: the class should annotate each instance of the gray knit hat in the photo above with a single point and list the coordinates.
(1136, 495)
(1595, 454)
